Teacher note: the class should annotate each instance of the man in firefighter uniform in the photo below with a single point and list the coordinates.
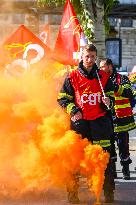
(123, 114)
(82, 97)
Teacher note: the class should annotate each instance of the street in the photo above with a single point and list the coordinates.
(125, 193)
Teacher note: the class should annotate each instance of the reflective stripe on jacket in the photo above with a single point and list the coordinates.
(123, 111)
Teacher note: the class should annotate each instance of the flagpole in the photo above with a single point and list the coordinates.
(100, 83)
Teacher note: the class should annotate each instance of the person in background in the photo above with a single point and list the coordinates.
(122, 113)
(82, 98)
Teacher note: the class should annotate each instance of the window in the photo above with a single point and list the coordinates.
(126, 22)
(112, 21)
(4, 17)
(43, 19)
(18, 18)
(113, 50)
(55, 19)
(127, 1)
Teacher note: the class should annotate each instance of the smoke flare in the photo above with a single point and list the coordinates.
(38, 148)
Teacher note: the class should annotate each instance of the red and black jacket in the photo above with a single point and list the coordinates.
(124, 119)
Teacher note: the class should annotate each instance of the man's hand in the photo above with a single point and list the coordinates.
(77, 116)
(106, 101)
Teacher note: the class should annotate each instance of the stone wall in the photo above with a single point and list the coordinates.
(128, 36)
(10, 22)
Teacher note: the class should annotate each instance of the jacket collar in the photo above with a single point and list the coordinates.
(114, 74)
(91, 74)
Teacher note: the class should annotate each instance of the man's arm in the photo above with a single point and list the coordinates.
(66, 98)
(123, 89)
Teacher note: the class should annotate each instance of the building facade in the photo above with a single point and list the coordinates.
(16, 12)
(120, 43)
(123, 30)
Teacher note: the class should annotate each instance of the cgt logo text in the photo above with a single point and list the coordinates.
(92, 98)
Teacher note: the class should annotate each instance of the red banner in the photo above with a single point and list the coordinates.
(67, 46)
(23, 44)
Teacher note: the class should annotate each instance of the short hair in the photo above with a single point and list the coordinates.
(90, 47)
(108, 61)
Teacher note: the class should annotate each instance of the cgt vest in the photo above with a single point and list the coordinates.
(88, 94)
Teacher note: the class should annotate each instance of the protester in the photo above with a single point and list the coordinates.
(82, 97)
(123, 114)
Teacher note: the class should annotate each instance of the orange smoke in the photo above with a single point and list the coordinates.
(94, 165)
(38, 148)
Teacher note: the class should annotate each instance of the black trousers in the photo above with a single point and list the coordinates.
(96, 130)
(122, 139)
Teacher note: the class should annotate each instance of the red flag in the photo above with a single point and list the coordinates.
(67, 46)
(45, 35)
(23, 44)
